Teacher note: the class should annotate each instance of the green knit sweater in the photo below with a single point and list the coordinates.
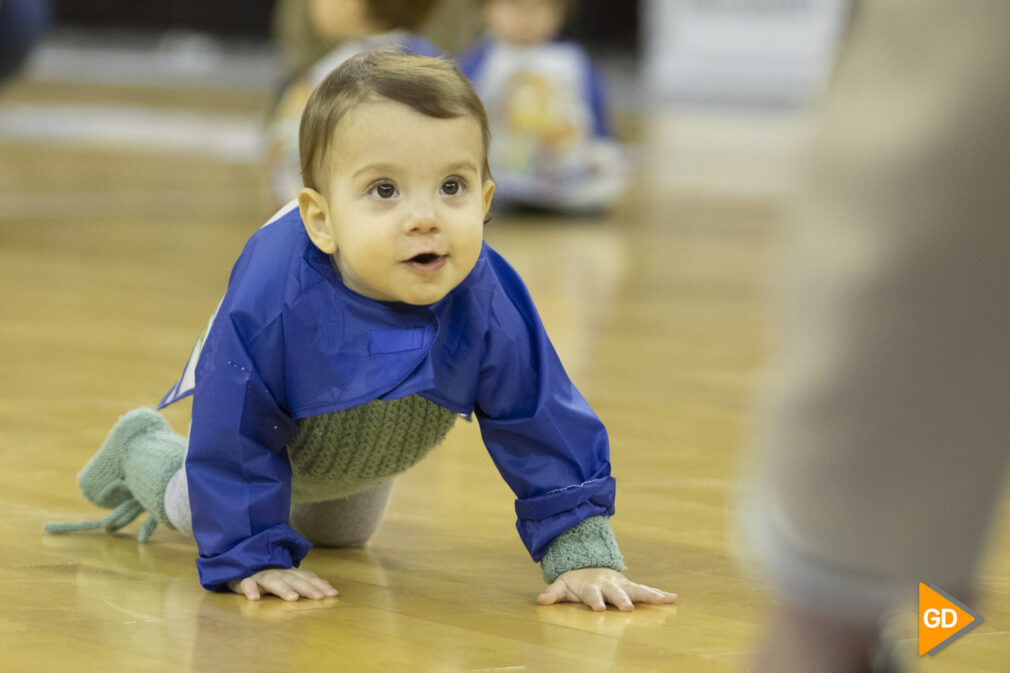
(334, 455)
(340, 453)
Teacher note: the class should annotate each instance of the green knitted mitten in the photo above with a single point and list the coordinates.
(130, 472)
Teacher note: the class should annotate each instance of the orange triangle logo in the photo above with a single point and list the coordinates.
(942, 619)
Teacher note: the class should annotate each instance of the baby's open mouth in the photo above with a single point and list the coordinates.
(425, 258)
(427, 263)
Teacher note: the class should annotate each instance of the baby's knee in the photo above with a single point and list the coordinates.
(344, 523)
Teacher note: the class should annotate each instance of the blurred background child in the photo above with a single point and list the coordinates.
(351, 26)
(554, 146)
(452, 25)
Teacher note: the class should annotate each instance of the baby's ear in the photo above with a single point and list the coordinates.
(488, 192)
(315, 216)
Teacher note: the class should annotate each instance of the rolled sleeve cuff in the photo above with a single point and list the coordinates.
(279, 547)
(543, 518)
(591, 544)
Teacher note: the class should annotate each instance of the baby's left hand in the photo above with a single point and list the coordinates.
(598, 586)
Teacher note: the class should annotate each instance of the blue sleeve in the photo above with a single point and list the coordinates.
(237, 468)
(418, 46)
(471, 62)
(598, 103)
(544, 438)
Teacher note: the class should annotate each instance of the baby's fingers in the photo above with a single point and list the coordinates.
(615, 595)
(278, 585)
(555, 593)
(248, 588)
(306, 588)
(592, 596)
(644, 594)
(321, 585)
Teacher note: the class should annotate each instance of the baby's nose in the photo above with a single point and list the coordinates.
(422, 216)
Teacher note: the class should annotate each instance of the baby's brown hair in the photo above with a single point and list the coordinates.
(432, 86)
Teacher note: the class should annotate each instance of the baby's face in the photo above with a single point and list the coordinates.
(524, 22)
(405, 201)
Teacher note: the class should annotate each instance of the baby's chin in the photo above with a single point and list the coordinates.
(426, 298)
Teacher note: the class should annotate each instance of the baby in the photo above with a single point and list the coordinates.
(554, 148)
(357, 326)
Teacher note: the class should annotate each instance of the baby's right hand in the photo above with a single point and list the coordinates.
(288, 583)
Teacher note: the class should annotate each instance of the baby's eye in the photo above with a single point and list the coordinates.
(453, 186)
(383, 190)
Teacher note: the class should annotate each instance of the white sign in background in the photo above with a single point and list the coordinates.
(756, 51)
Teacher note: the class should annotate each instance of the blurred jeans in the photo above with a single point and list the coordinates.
(22, 25)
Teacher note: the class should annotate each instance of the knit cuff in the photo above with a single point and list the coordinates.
(591, 544)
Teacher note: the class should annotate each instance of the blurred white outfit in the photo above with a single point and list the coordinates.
(553, 146)
(883, 439)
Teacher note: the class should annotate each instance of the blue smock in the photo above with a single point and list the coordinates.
(290, 340)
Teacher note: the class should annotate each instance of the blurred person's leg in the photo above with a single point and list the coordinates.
(299, 44)
(882, 443)
(453, 25)
(22, 25)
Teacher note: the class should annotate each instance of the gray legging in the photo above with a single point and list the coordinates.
(345, 522)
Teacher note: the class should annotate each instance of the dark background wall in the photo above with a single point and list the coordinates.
(231, 18)
(597, 23)
(605, 24)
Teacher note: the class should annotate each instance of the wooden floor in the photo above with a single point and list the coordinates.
(112, 258)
